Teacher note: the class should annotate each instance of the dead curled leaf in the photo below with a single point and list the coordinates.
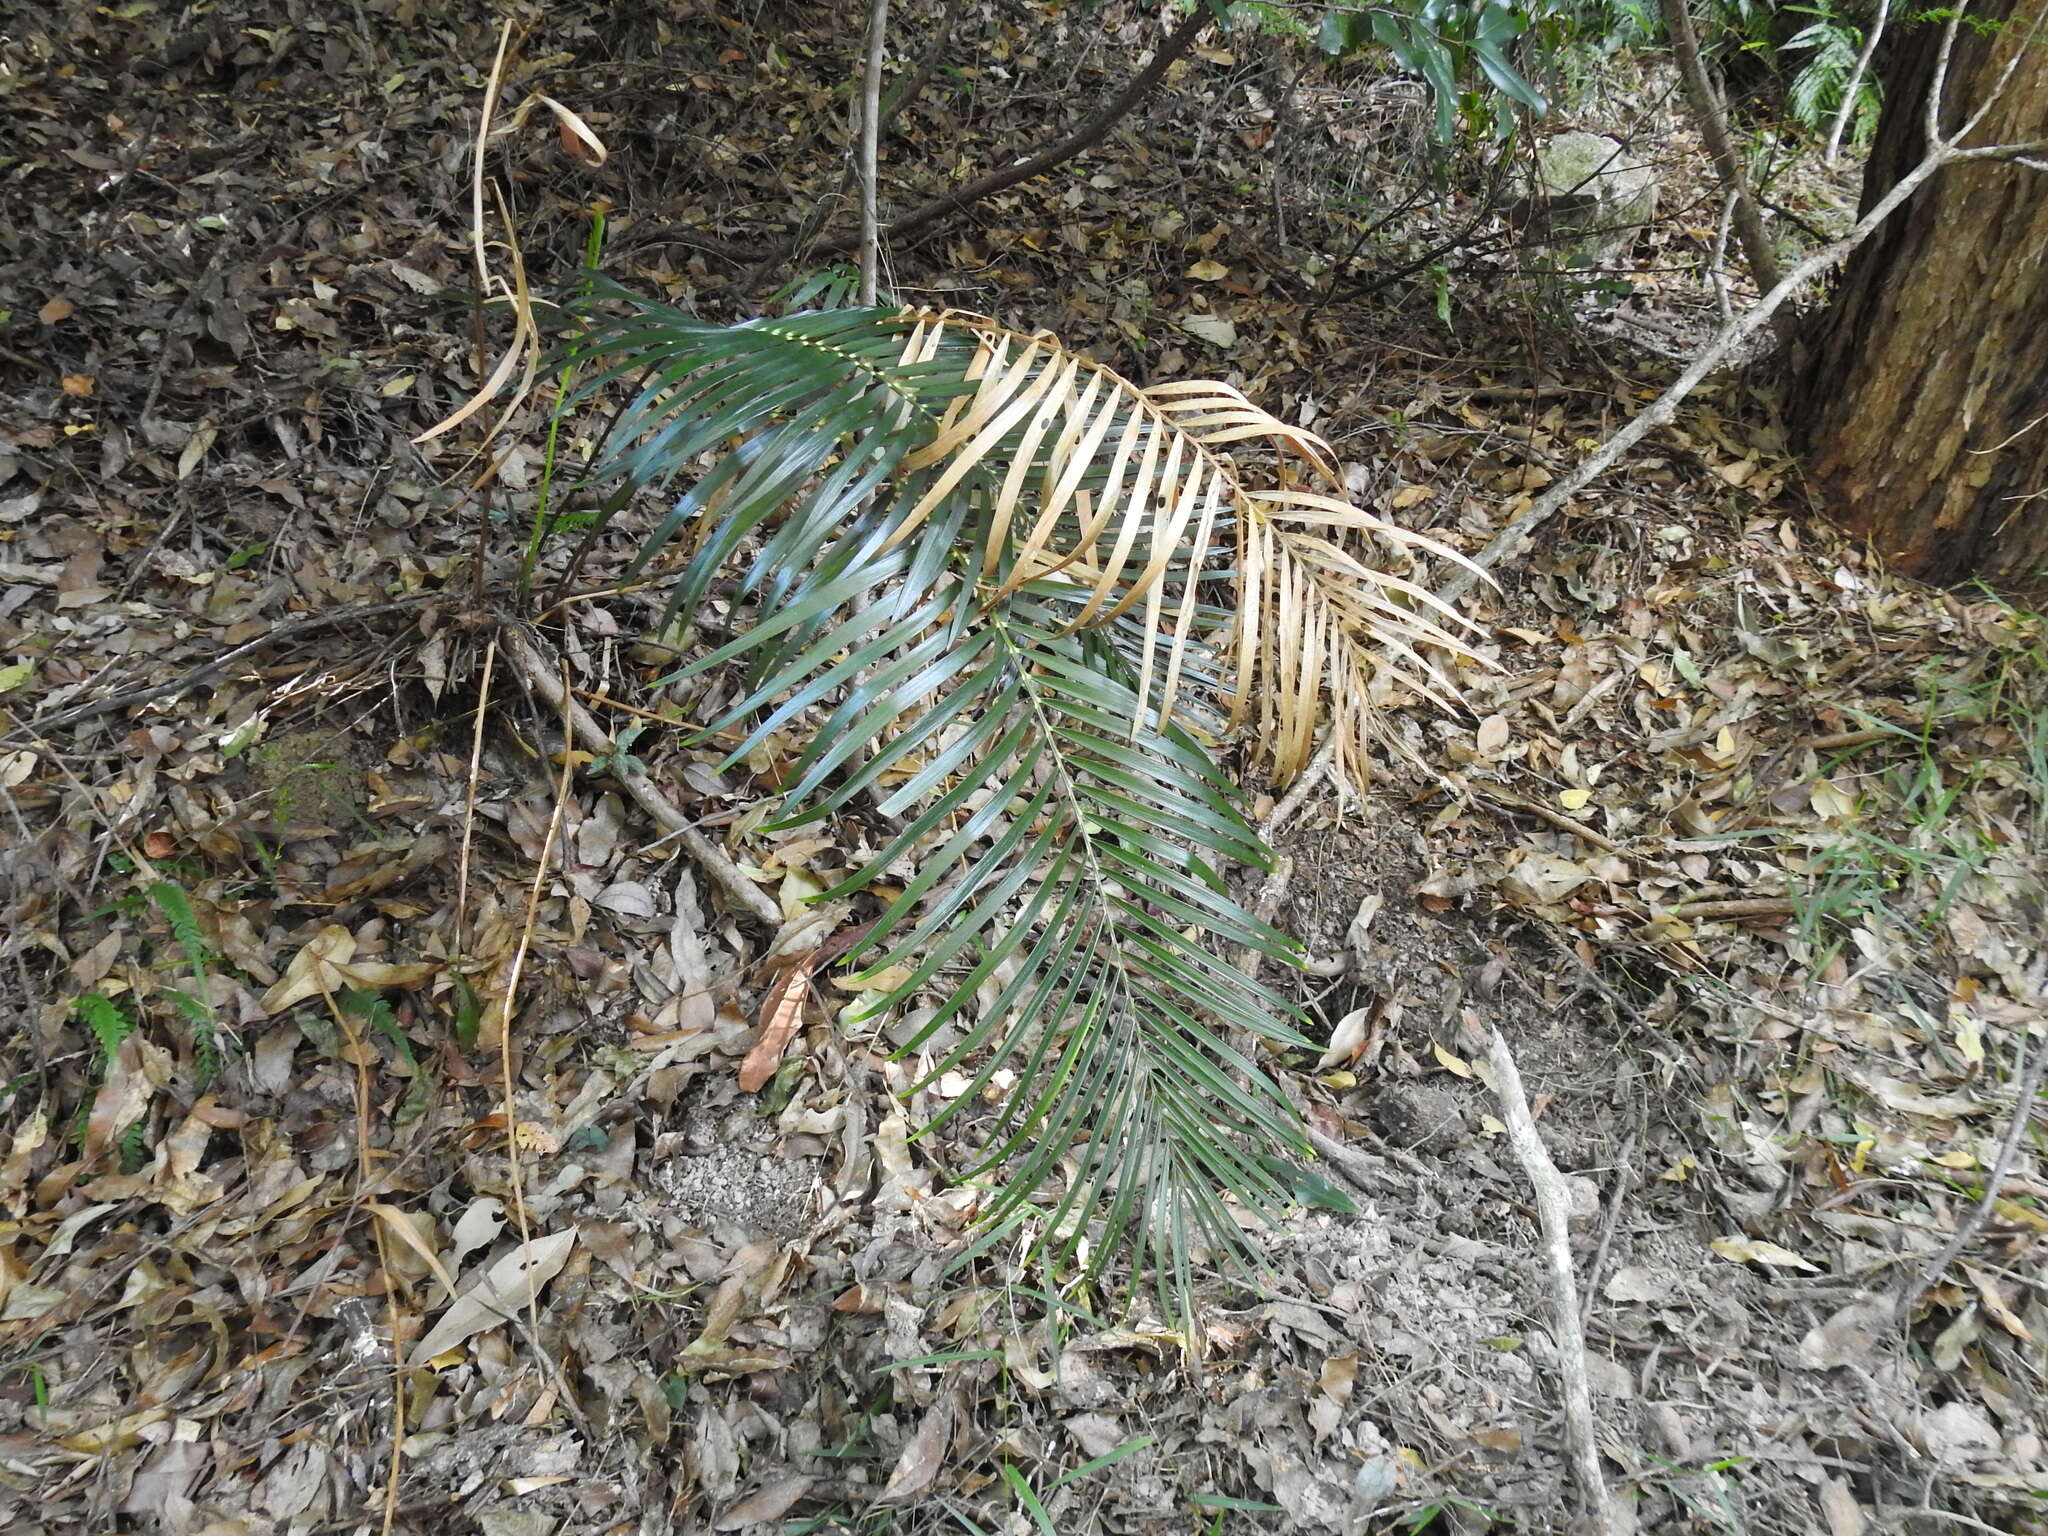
(1751, 1250)
(501, 1292)
(1542, 879)
(923, 1454)
(406, 1227)
(1347, 1039)
(771, 1501)
(122, 1100)
(327, 965)
(780, 1017)
(1847, 1337)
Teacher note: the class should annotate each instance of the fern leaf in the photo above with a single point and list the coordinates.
(171, 900)
(109, 1023)
(135, 1147)
(176, 907)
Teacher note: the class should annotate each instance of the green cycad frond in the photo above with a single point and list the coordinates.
(978, 572)
(1063, 903)
(1128, 490)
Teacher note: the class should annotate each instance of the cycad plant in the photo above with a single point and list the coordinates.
(1017, 600)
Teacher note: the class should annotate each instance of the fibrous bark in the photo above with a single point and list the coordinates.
(1924, 407)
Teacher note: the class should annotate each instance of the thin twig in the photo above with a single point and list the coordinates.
(1086, 136)
(1509, 801)
(1552, 1205)
(900, 96)
(1359, 1169)
(870, 153)
(1273, 890)
(476, 759)
(709, 857)
(2033, 1059)
(365, 1187)
(1847, 108)
(1297, 794)
(1741, 906)
(1712, 122)
(512, 979)
(1617, 1201)
(155, 692)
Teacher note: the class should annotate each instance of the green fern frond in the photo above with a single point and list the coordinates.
(176, 906)
(109, 1023)
(135, 1147)
(373, 1010)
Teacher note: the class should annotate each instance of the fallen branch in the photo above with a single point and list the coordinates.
(709, 857)
(1361, 1170)
(1509, 801)
(2033, 1059)
(1552, 1205)
(1710, 909)
(1515, 539)
(1087, 136)
(156, 692)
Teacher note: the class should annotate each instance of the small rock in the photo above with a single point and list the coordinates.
(1420, 1118)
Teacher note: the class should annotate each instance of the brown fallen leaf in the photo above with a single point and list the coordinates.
(771, 1501)
(121, 1101)
(780, 1016)
(923, 1454)
(328, 964)
(501, 1293)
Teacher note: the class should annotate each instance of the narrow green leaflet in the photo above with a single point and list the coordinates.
(1053, 893)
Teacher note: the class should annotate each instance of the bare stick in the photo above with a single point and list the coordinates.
(1847, 108)
(1713, 125)
(2032, 1060)
(1359, 1169)
(1717, 261)
(1617, 1199)
(1274, 890)
(870, 153)
(1515, 539)
(476, 769)
(155, 692)
(905, 92)
(1748, 906)
(1087, 136)
(710, 858)
(1552, 1204)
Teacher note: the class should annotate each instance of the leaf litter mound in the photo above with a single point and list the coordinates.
(1739, 847)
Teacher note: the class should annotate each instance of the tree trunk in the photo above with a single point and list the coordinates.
(1923, 409)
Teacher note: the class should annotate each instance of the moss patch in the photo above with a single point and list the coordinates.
(307, 777)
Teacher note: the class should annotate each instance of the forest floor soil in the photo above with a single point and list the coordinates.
(1738, 842)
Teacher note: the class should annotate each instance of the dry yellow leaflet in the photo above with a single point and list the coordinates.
(1120, 492)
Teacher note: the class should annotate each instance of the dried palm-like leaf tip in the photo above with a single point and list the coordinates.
(1132, 488)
